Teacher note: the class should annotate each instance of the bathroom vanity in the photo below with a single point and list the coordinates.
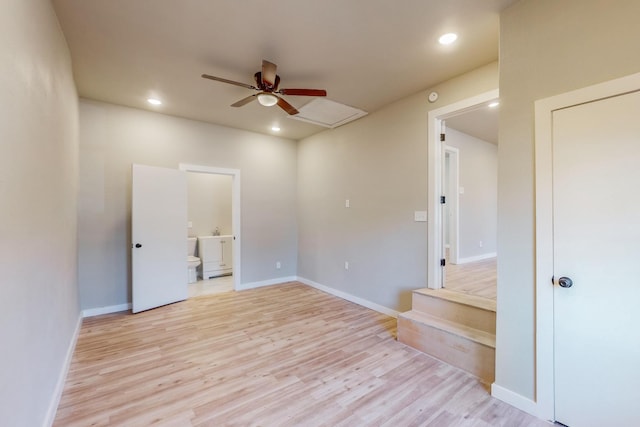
(216, 254)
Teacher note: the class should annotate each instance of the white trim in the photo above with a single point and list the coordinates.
(97, 311)
(544, 109)
(236, 216)
(62, 377)
(352, 298)
(477, 258)
(514, 399)
(434, 226)
(269, 282)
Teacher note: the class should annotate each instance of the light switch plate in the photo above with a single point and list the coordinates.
(420, 216)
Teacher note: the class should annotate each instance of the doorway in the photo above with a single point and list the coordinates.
(455, 205)
(225, 229)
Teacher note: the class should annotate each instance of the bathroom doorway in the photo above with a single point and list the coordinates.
(214, 219)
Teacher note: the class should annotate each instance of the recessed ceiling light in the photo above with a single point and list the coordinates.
(448, 38)
(154, 101)
(493, 104)
(275, 128)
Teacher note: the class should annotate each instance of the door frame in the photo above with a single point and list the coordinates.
(434, 186)
(453, 200)
(543, 142)
(236, 225)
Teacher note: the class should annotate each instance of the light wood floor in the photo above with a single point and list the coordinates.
(475, 278)
(210, 286)
(285, 355)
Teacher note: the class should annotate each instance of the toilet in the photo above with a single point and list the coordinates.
(192, 260)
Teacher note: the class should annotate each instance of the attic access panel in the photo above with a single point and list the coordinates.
(327, 113)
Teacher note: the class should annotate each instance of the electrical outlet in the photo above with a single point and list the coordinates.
(278, 265)
(347, 203)
(480, 243)
(346, 265)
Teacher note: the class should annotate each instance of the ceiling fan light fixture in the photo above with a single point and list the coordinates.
(267, 99)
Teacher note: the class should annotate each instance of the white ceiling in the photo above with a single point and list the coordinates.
(365, 53)
(481, 123)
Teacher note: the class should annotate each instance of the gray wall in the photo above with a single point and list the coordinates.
(547, 47)
(209, 203)
(478, 206)
(113, 137)
(379, 163)
(39, 309)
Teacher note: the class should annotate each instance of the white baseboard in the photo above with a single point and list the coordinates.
(253, 285)
(105, 310)
(515, 399)
(346, 296)
(477, 258)
(62, 377)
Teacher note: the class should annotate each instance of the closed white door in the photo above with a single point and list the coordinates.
(596, 197)
(158, 236)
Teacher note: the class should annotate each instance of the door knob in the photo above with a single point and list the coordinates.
(138, 245)
(565, 282)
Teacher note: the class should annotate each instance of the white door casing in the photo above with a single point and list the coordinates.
(434, 185)
(158, 237)
(587, 149)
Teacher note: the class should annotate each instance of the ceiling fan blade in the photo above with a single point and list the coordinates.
(244, 101)
(303, 92)
(290, 109)
(269, 73)
(220, 79)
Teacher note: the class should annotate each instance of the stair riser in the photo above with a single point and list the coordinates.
(461, 352)
(474, 317)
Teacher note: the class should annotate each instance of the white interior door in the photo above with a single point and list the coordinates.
(596, 208)
(452, 186)
(159, 237)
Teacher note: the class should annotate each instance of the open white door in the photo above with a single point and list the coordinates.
(158, 237)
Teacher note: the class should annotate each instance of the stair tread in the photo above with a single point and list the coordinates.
(468, 332)
(460, 298)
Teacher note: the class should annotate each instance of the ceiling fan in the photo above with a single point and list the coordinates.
(267, 82)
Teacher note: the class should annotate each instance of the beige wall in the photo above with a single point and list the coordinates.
(379, 163)
(209, 199)
(113, 137)
(38, 182)
(547, 47)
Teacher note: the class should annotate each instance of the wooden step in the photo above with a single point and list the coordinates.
(464, 309)
(467, 348)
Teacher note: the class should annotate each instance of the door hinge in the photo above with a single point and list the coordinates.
(443, 262)
(442, 137)
(443, 200)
